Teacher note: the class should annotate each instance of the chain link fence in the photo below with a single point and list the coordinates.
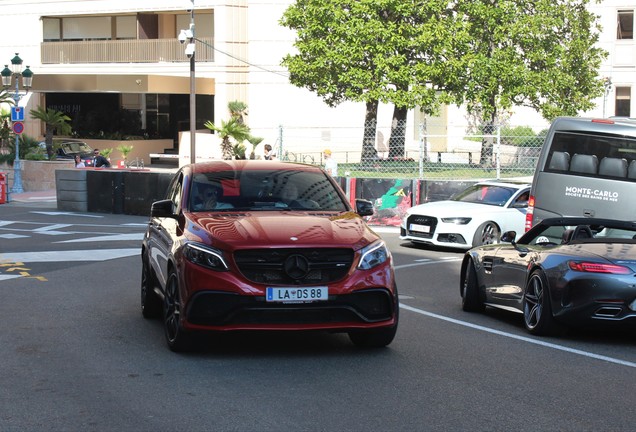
(426, 151)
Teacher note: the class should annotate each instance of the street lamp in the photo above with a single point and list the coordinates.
(607, 84)
(27, 80)
(188, 36)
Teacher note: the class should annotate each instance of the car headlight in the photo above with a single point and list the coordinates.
(457, 220)
(373, 255)
(204, 256)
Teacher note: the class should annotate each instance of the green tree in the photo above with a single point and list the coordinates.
(54, 121)
(370, 51)
(237, 110)
(536, 53)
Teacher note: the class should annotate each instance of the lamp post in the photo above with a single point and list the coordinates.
(27, 80)
(607, 83)
(188, 36)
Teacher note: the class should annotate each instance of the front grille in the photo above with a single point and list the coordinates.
(222, 308)
(292, 266)
(420, 220)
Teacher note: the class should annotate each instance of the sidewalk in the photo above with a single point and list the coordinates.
(33, 197)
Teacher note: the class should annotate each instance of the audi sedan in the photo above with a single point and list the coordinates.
(265, 245)
(564, 272)
(473, 217)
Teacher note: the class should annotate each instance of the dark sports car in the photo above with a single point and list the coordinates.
(563, 272)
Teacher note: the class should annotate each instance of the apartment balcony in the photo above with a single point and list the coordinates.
(124, 51)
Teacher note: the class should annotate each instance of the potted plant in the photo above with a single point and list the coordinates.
(125, 151)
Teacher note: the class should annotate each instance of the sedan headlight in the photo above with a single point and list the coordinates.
(204, 256)
(373, 255)
(457, 220)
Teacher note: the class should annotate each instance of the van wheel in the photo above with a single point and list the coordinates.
(487, 233)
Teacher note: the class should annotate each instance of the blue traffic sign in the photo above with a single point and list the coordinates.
(17, 113)
(18, 127)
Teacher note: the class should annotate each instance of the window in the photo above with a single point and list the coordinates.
(625, 24)
(623, 101)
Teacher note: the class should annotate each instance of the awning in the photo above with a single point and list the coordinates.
(68, 83)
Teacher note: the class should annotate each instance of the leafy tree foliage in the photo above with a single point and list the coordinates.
(535, 53)
(368, 51)
(490, 55)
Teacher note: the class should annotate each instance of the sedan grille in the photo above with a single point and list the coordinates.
(294, 266)
(222, 308)
(421, 226)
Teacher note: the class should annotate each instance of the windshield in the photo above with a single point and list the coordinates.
(255, 190)
(76, 147)
(485, 194)
(551, 235)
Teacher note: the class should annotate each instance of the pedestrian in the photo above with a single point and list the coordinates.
(100, 161)
(269, 154)
(331, 166)
(78, 162)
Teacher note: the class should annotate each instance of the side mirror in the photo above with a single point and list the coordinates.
(509, 236)
(162, 209)
(364, 207)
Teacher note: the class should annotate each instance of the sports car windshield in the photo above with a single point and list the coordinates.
(570, 230)
(255, 190)
(485, 194)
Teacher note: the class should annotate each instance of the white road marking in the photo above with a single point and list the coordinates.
(522, 338)
(65, 256)
(12, 236)
(67, 214)
(114, 237)
(427, 262)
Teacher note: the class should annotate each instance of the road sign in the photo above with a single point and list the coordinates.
(18, 127)
(17, 113)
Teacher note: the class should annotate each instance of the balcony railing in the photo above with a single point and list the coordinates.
(123, 51)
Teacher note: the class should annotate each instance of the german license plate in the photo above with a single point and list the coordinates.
(296, 295)
(420, 228)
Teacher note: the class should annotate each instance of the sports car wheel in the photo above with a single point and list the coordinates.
(471, 301)
(487, 233)
(537, 313)
(178, 339)
(150, 303)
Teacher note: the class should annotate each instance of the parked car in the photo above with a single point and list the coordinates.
(563, 272)
(472, 217)
(68, 148)
(265, 245)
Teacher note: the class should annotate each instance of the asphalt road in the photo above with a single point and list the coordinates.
(75, 353)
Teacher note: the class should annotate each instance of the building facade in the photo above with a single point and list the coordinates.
(92, 58)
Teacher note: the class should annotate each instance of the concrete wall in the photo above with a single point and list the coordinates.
(72, 190)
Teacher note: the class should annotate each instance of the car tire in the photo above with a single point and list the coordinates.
(487, 233)
(178, 339)
(471, 298)
(377, 338)
(150, 303)
(537, 311)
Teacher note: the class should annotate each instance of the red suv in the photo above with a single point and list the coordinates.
(265, 245)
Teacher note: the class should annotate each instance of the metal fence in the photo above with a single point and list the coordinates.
(425, 151)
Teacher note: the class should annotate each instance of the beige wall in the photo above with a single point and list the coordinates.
(141, 149)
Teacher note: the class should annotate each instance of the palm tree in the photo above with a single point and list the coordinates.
(6, 97)
(237, 110)
(55, 121)
(231, 129)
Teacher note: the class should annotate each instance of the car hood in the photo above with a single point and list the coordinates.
(279, 229)
(452, 208)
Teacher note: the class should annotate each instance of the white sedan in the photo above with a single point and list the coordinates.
(476, 216)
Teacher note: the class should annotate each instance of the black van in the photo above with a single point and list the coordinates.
(587, 167)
